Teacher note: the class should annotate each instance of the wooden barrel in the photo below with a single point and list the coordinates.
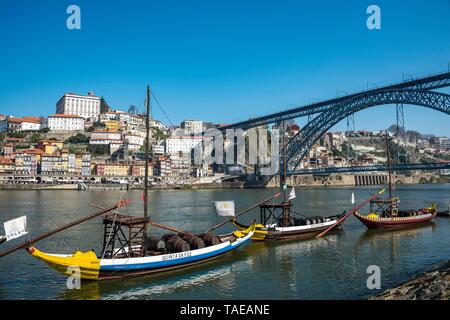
(210, 239)
(194, 242)
(154, 243)
(168, 236)
(176, 244)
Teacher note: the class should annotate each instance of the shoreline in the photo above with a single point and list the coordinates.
(226, 185)
(433, 284)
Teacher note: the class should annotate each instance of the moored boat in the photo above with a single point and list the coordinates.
(298, 228)
(123, 264)
(385, 213)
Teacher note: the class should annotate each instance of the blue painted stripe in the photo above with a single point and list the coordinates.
(167, 263)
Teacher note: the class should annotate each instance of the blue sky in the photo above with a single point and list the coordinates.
(221, 61)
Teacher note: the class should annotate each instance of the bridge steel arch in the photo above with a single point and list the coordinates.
(299, 145)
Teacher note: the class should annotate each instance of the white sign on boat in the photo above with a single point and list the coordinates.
(15, 228)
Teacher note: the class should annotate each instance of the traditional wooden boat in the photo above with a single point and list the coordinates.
(385, 213)
(129, 262)
(295, 228)
(127, 248)
(400, 219)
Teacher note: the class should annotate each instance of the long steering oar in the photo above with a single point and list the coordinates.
(244, 211)
(359, 206)
(50, 233)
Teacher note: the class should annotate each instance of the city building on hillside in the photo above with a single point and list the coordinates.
(84, 106)
(25, 164)
(108, 116)
(8, 150)
(86, 164)
(112, 125)
(180, 165)
(64, 122)
(134, 139)
(6, 166)
(50, 164)
(192, 126)
(162, 167)
(50, 146)
(11, 124)
(159, 150)
(182, 143)
(138, 169)
(131, 120)
(442, 142)
(99, 136)
(159, 125)
(112, 169)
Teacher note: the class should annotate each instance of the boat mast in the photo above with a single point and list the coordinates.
(284, 164)
(147, 143)
(388, 166)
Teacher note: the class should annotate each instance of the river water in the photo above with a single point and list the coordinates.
(331, 268)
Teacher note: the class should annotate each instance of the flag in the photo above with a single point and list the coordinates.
(291, 194)
(353, 198)
(15, 228)
(285, 186)
(224, 208)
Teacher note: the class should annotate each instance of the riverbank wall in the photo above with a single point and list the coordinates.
(433, 284)
(333, 180)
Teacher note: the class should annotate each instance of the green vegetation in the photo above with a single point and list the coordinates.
(17, 134)
(159, 134)
(96, 126)
(104, 107)
(77, 139)
(98, 149)
(35, 137)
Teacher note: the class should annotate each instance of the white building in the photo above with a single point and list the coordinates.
(194, 126)
(158, 150)
(134, 139)
(64, 122)
(12, 124)
(184, 144)
(104, 134)
(84, 106)
(131, 120)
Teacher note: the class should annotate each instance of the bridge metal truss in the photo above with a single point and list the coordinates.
(372, 168)
(299, 145)
(421, 84)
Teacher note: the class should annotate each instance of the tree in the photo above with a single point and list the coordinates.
(35, 137)
(104, 106)
(78, 138)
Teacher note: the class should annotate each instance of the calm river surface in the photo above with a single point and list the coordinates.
(330, 268)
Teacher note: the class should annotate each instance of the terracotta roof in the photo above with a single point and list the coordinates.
(65, 116)
(4, 160)
(21, 120)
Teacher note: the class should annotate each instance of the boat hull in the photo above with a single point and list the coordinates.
(395, 223)
(92, 268)
(289, 233)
